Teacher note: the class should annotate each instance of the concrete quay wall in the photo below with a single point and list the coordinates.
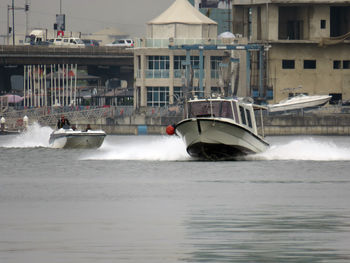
(335, 124)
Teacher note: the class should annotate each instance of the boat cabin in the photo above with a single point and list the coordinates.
(235, 110)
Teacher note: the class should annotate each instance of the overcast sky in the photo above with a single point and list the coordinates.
(87, 16)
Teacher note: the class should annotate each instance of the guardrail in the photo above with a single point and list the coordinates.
(7, 50)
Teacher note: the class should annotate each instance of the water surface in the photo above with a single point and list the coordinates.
(142, 199)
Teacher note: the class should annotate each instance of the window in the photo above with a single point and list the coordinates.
(215, 66)
(249, 118)
(157, 96)
(179, 59)
(339, 22)
(227, 110)
(289, 24)
(139, 62)
(158, 67)
(323, 24)
(336, 64)
(288, 64)
(242, 111)
(179, 67)
(199, 109)
(210, 108)
(309, 64)
(346, 64)
(158, 62)
(215, 62)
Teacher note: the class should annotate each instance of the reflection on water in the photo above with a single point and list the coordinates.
(268, 237)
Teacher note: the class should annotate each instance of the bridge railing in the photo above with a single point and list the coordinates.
(7, 50)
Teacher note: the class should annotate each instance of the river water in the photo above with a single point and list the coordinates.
(142, 199)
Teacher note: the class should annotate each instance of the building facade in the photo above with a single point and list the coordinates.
(309, 44)
(160, 71)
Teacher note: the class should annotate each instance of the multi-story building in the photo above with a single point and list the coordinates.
(217, 10)
(159, 71)
(309, 44)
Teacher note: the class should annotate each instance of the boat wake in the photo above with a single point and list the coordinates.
(143, 148)
(308, 149)
(35, 136)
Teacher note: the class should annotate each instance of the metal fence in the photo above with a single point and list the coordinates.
(48, 116)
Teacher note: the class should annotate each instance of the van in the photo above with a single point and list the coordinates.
(67, 42)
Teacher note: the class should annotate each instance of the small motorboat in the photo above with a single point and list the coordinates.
(75, 139)
(298, 102)
(9, 132)
(220, 129)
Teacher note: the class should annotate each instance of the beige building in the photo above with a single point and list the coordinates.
(309, 44)
(159, 71)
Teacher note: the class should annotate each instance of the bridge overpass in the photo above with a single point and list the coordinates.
(104, 62)
(33, 55)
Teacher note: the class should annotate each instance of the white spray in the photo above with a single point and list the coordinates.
(34, 136)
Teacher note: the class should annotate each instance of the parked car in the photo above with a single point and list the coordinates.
(90, 42)
(121, 43)
(67, 42)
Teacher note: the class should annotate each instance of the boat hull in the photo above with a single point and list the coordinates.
(215, 139)
(77, 140)
(301, 104)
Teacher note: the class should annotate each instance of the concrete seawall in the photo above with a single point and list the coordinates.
(335, 124)
(326, 121)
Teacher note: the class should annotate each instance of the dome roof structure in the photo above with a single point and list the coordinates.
(181, 11)
(182, 20)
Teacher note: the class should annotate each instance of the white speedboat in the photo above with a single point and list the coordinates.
(299, 102)
(219, 129)
(69, 138)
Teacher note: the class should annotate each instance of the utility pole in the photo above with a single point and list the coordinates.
(13, 22)
(13, 8)
(8, 26)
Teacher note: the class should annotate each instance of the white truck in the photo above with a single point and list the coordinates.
(37, 37)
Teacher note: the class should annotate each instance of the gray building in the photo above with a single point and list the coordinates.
(309, 44)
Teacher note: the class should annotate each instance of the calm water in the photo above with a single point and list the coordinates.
(142, 199)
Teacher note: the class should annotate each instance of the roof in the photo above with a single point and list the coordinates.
(181, 11)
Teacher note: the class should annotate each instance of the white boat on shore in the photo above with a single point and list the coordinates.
(299, 102)
(69, 138)
(220, 129)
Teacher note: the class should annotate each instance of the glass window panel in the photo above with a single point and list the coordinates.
(199, 109)
(241, 109)
(216, 108)
(227, 110)
(249, 118)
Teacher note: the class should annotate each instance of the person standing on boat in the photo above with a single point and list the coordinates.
(63, 123)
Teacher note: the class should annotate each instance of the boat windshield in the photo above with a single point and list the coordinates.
(210, 109)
